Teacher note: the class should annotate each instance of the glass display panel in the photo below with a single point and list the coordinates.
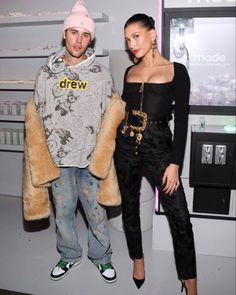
(204, 41)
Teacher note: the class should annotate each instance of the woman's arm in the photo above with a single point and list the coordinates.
(181, 110)
(181, 97)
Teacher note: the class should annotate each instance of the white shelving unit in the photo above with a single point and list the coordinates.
(17, 73)
(50, 18)
(12, 118)
(16, 84)
(39, 52)
(11, 147)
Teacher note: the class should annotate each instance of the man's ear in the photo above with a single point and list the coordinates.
(92, 43)
(64, 34)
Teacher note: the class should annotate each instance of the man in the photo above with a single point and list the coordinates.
(71, 94)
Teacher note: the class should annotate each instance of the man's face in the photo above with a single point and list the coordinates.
(76, 41)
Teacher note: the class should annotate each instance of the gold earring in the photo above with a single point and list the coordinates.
(154, 46)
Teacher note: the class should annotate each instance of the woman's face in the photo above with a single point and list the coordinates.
(138, 39)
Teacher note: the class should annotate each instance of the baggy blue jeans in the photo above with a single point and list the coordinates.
(77, 183)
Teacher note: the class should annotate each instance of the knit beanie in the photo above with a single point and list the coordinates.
(79, 18)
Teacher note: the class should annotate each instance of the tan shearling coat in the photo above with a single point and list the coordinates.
(40, 170)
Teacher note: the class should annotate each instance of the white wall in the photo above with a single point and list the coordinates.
(111, 37)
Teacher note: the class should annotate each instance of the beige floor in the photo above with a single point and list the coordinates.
(27, 254)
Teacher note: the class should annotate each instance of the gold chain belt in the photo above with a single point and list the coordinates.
(136, 130)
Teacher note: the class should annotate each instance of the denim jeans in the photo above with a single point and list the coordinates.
(77, 183)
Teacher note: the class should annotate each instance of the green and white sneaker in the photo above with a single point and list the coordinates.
(108, 272)
(61, 269)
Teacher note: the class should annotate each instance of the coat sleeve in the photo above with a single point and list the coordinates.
(105, 146)
(39, 168)
(35, 199)
(42, 167)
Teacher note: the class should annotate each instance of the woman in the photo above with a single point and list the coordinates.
(145, 146)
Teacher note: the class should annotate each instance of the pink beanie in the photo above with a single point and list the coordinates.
(79, 17)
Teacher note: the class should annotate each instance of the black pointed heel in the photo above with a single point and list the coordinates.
(184, 288)
(138, 282)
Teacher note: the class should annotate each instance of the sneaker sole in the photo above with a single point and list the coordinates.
(66, 273)
(109, 281)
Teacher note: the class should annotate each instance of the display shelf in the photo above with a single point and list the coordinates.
(214, 128)
(50, 18)
(101, 52)
(28, 52)
(12, 118)
(39, 52)
(12, 147)
(17, 84)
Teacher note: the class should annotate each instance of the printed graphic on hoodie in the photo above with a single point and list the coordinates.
(67, 83)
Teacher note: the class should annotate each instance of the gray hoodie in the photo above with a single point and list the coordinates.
(71, 101)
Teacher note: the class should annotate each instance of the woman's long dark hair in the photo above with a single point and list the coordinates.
(147, 21)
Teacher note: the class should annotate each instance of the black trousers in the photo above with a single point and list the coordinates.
(150, 159)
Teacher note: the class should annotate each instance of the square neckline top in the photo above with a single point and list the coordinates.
(150, 83)
(159, 100)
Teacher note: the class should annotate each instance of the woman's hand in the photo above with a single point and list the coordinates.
(170, 179)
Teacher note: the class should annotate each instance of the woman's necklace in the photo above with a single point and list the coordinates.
(136, 130)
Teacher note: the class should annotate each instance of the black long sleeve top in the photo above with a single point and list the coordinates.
(159, 99)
